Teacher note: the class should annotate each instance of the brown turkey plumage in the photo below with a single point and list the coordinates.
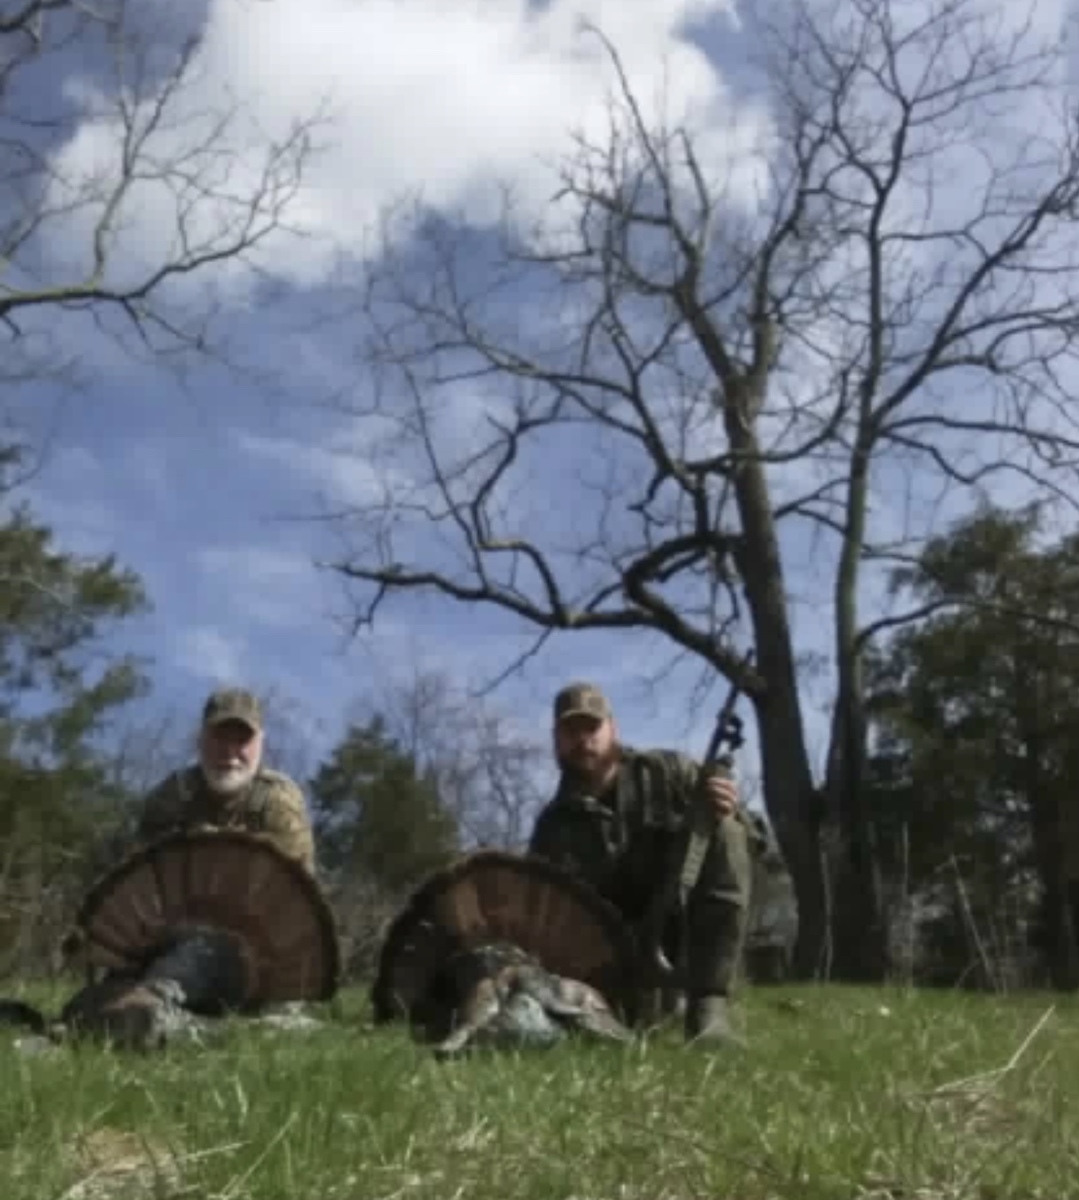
(505, 949)
(199, 923)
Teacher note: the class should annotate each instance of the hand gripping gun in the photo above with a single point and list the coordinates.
(678, 883)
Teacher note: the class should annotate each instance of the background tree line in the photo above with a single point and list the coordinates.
(974, 716)
(412, 782)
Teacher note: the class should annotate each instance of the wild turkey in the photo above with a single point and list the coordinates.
(200, 922)
(506, 949)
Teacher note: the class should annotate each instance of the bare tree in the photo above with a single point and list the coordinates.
(294, 736)
(488, 773)
(128, 142)
(881, 304)
(144, 750)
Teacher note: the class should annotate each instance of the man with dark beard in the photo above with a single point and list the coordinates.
(616, 819)
(229, 788)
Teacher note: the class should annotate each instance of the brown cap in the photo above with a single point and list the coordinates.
(233, 704)
(581, 700)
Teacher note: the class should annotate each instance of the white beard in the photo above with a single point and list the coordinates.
(227, 781)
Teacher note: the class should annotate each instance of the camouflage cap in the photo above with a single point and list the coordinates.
(233, 704)
(581, 700)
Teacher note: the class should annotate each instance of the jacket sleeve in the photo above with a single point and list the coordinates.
(681, 774)
(287, 824)
(685, 775)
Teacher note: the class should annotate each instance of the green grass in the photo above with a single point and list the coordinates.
(848, 1094)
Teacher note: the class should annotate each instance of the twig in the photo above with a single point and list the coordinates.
(972, 925)
(240, 1180)
(987, 1078)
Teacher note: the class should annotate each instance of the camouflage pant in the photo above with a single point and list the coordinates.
(707, 938)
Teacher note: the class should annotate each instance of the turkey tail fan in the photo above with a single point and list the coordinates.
(493, 896)
(217, 882)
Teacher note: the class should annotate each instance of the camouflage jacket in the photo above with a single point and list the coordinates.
(271, 805)
(623, 841)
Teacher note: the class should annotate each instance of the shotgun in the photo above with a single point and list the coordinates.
(678, 882)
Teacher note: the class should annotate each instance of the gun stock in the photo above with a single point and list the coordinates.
(682, 875)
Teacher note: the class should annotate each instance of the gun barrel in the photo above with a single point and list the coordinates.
(700, 828)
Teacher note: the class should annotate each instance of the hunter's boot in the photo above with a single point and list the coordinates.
(708, 1020)
(714, 950)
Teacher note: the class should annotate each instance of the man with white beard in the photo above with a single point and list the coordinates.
(198, 970)
(229, 788)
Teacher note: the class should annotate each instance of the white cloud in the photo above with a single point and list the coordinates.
(445, 95)
(210, 652)
(271, 586)
(336, 472)
(445, 98)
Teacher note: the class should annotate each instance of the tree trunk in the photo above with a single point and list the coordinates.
(859, 923)
(793, 808)
(860, 936)
(789, 794)
(1048, 834)
(1061, 942)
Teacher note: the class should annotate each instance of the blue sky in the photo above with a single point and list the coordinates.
(208, 489)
